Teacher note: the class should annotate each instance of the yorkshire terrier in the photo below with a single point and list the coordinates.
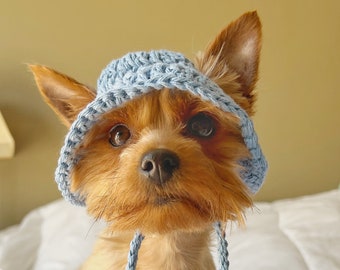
(163, 149)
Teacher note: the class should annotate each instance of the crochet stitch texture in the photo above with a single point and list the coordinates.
(138, 73)
(141, 72)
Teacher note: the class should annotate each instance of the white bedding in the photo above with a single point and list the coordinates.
(301, 233)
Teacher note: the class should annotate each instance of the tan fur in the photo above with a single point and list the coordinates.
(159, 251)
(176, 217)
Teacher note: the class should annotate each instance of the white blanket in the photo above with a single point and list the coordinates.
(301, 233)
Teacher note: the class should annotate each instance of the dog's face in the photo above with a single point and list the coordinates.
(166, 160)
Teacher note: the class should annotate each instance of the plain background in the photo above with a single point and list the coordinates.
(298, 109)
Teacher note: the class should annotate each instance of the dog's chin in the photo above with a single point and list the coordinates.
(164, 215)
(164, 201)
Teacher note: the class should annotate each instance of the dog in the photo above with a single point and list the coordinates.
(163, 149)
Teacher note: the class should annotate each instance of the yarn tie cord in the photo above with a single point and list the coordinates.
(222, 249)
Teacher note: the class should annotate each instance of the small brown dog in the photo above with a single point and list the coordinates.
(160, 160)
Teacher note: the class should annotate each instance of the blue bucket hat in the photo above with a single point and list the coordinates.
(141, 72)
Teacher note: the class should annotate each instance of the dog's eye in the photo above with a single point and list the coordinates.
(201, 125)
(119, 135)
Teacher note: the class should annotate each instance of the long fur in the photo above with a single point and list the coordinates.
(176, 217)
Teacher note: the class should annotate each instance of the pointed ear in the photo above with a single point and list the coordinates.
(232, 59)
(64, 95)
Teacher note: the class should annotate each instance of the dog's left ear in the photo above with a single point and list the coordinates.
(232, 59)
(64, 95)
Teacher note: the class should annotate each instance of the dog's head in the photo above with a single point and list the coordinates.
(162, 156)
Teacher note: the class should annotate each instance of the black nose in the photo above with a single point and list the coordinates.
(159, 165)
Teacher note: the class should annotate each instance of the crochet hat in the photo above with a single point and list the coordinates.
(138, 73)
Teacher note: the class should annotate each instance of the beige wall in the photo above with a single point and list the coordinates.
(299, 102)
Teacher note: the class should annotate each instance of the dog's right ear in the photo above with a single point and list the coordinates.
(64, 95)
(232, 59)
